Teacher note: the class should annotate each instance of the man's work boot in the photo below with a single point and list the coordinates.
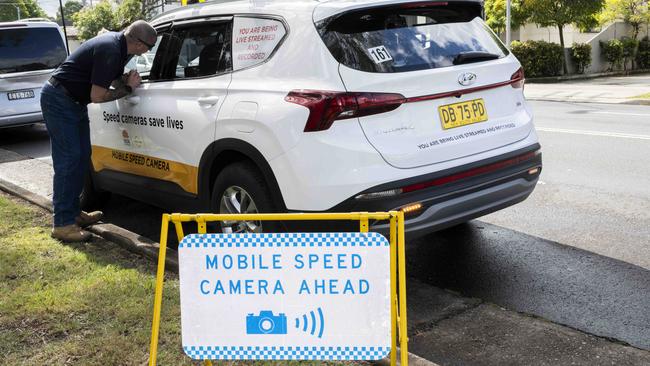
(70, 233)
(88, 218)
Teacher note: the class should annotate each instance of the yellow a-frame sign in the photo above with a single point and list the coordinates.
(397, 264)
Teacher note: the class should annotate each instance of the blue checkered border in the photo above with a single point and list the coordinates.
(273, 240)
(285, 353)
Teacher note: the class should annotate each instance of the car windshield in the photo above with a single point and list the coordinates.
(30, 49)
(397, 39)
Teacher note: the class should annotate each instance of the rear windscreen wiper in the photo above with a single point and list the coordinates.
(474, 56)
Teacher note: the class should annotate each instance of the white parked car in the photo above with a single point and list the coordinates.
(30, 50)
(303, 106)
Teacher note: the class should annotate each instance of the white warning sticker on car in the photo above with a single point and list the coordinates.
(254, 40)
(379, 54)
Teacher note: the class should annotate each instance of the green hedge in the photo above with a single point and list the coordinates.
(581, 55)
(643, 54)
(613, 52)
(539, 58)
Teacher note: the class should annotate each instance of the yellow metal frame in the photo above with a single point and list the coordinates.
(397, 264)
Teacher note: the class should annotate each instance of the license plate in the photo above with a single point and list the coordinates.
(20, 94)
(462, 114)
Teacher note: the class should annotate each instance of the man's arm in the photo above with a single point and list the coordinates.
(102, 95)
(123, 87)
(120, 82)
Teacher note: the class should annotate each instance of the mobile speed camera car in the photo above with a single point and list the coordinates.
(30, 50)
(303, 106)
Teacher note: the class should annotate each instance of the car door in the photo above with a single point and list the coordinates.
(118, 129)
(177, 105)
(182, 107)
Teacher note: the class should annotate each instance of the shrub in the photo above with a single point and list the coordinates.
(581, 54)
(630, 46)
(613, 52)
(90, 20)
(643, 54)
(539, 58)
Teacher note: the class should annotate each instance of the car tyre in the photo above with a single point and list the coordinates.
(241, 188)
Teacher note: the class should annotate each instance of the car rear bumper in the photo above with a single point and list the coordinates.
(451, 212)
(21, 119)
(447, 204)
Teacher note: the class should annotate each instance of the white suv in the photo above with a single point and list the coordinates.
(305, 106)
(30, 50)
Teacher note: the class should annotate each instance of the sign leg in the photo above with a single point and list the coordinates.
(401, 258)
(160, 276)
(393, 290)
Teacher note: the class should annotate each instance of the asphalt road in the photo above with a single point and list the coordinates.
(594, 191)
(577, 252)
(583, 290)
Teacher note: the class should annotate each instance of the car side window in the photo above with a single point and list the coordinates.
(199, 51)
(144, 63)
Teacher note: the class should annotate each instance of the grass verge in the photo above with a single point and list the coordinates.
(642, 96)
(80, 304)
(77, 304)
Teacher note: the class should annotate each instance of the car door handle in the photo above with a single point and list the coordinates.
(133, 100)
(208, 101)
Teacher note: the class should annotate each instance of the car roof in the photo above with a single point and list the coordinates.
(31, 23)
(229, 7)
(316, 9)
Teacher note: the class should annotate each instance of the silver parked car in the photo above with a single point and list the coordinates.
(31, 49)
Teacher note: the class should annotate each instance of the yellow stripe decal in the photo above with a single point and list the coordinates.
(186, 176)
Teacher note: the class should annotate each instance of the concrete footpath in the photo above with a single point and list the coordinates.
(612, 89)
(444, 327)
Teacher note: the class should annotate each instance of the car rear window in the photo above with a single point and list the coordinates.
(411, 36)
(29, 49)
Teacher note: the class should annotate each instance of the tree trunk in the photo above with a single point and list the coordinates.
(565, 68)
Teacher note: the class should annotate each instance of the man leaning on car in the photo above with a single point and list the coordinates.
(85, 77)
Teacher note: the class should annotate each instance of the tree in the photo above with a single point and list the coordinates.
(495, 14)
(90, 20)
(128, 12)
(28, 9)
(633, 12)
(70, 8)
(559, 13)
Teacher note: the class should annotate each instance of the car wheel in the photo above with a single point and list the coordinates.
(90, 198)
(240, 188)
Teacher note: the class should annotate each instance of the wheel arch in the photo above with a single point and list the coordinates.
(223, 152)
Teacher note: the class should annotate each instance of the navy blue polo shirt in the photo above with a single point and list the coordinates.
(97, 61)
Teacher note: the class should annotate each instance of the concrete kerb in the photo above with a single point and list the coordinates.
(591, 100)
(146, 247)
(559, 79)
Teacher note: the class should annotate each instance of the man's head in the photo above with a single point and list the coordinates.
(140, 37)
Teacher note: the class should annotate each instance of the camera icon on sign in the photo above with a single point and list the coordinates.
(266, 323)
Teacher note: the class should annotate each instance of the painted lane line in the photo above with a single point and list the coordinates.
(595, 133)
(623, 113)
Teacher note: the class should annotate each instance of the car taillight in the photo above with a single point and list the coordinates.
(517, 79)
(325, 107)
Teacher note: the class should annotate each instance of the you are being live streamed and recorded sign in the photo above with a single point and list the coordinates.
(288, 296)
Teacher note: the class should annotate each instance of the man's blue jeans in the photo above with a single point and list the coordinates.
(68, 126)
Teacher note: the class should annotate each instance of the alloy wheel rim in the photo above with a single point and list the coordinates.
(236, 200)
